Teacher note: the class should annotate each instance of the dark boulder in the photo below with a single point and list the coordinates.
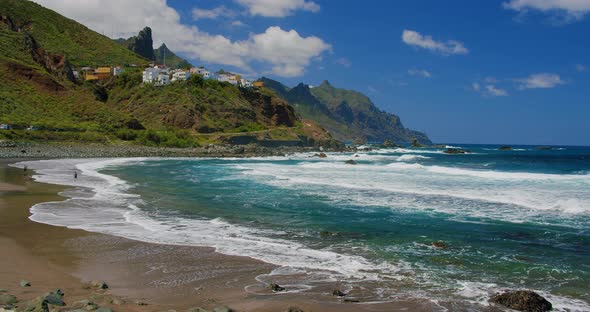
(440, 245)
(338, 293)
(522, 300)
(505, 148)
(276, 287)
(350, 162)
(456, 151)
(25, 283)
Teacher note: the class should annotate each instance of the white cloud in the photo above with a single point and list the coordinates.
(214, 13)
(488, 90)
(372, 89)
(278, 8)
(476, 87)
(238, 23)
(344, 62)
(493, 91)
(285, 53)
(581, 68)
(420, 72)
(414, 38)
(540, 81)
(574, 9)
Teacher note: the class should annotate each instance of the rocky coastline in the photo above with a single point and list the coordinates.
(36, 150)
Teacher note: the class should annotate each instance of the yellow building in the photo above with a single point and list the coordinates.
(90, 76)
(103, 72)
(258, 84)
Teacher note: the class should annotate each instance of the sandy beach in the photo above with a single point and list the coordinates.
(141, 276)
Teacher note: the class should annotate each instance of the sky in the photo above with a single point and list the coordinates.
(462, 71)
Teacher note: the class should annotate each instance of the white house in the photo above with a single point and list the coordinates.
(163, 79)
(150, 75)
(117, 71)
(245, 83)
(228, 78)
(202, 71)
(180, 75)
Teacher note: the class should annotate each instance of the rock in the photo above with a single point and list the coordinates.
(505, 148)
(2, 290)
(25, 283)
(338, 293)
(320, 155)
(440, 245)
(223, 309)
(294, 309)
(104, 309)
(276, 287)
(141, 303)
(86, 305)
(456, 151)
(544, 148)
(6, 299)
(38, 304)
(416, 144)
(351, 300)
(350, 162)
(55, 298)
(117, 301)
(522, 300)
(99, 285)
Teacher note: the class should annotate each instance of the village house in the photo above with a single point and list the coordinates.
(150, 75)
(103, 72)
(225, 77)
(180, 75)
(117, 71)
(258, 84)
(245, 83)
(202, 71)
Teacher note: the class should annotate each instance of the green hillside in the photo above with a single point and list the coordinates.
(163, 55)
(60, 35)
(37, 88)
(348, 115)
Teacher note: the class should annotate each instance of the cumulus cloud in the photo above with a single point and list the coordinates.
(278, 8)
(540, 81)
(414, 38)
(284, 53)
(420, 72)
(493, 91)
(581, 68)
(488, 90)
(214, 13)
(574, 9)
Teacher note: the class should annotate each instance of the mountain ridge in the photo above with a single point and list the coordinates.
(349, 115)
(143, 44)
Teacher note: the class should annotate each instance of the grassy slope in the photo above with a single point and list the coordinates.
(60, 35)
(29, 95)
(171, 60)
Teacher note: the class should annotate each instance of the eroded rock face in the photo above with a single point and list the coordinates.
(522, 300)
(143, 44)
(55, 64)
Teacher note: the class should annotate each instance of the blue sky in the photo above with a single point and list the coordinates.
(508, 71)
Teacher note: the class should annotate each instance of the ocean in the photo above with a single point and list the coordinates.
(516, 219)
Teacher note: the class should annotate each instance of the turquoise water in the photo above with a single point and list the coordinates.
(511, 219)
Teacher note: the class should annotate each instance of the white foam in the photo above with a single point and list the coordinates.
(411, 157)
(111, 210)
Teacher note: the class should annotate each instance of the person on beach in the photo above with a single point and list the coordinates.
(25, 169)
(75, 174)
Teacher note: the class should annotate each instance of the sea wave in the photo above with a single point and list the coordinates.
(108, 207)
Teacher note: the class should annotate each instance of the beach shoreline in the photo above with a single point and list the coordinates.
(161, 276)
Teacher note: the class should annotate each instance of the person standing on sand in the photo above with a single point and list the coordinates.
(75, 174)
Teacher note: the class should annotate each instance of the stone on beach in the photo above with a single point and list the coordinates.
(338, 293)
(350, 162)
(6, 299)
(99, 285)
(25, 283)
(522, 300)
(276, 287)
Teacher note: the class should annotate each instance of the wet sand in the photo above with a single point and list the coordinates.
(164, 277)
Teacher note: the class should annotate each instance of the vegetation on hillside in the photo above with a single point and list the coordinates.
(348, 115)
(60, 35)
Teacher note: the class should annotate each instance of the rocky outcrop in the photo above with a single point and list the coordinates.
(505, 148)
(523, 300)
(55, 64)
(276, 287)
(142, 44)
